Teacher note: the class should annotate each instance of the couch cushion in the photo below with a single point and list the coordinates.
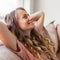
(58, 33)
(6, 54)
(53, 34)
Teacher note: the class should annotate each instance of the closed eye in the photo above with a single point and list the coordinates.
(25, 16)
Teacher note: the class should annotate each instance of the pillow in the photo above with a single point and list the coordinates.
(58, 33)
(53, 34)
(6, 54)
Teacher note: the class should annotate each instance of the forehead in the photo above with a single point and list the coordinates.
(21, 12)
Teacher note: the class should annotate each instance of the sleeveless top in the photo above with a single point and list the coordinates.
(24, 54)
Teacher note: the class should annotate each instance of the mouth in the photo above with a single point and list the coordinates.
(30, 22)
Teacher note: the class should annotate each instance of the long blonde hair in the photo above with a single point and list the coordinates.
(37, 44)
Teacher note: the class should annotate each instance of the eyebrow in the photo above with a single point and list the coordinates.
(26, 14)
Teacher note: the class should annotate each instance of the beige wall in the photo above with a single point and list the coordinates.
(51, 9)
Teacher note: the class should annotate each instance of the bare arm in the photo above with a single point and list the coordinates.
(39, 18)
(7, 37)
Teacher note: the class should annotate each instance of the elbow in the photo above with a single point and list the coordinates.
(42, 13)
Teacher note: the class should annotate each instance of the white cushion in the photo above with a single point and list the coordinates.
(58, 33)
(53, 34)
(6, 54)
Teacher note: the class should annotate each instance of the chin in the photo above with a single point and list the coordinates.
(32, 28)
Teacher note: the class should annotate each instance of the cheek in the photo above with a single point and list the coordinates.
(22, 25)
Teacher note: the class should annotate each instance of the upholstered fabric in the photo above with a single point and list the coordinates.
(58, 33)
(53, 34)
(6, 54)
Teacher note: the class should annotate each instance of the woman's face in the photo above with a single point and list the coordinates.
(24, 20)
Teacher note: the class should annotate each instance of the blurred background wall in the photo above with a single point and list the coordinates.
(51, 8)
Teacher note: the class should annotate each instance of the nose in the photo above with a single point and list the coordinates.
(29, 18)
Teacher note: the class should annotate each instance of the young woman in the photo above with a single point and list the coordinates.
(30, 43)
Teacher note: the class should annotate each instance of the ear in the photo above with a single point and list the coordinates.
(53, 34)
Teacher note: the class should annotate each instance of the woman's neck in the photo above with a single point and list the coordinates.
(27, 33)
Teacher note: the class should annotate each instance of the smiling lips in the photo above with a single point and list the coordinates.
(30, 22)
